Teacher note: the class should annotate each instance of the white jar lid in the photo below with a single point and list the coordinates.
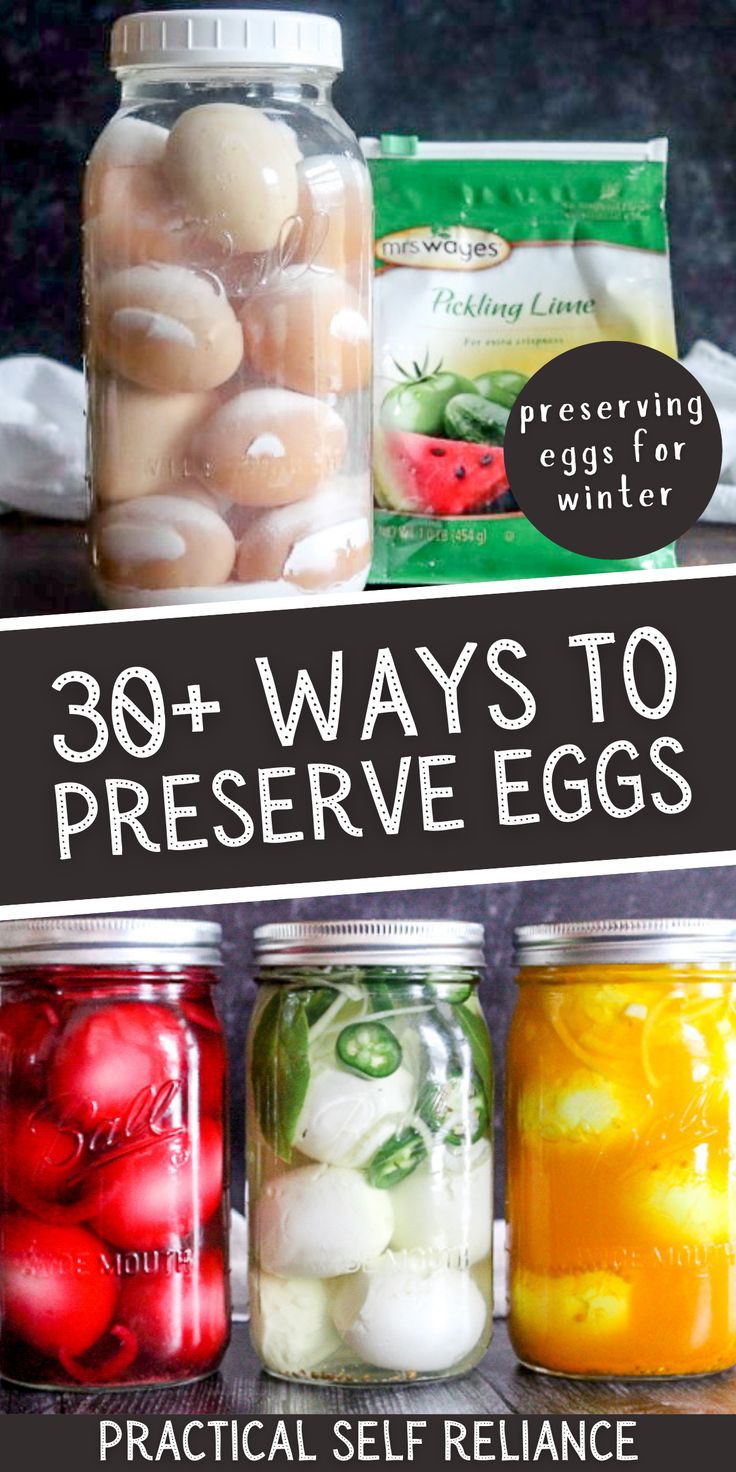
(225, 38)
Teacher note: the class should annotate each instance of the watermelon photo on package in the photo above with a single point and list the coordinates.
(437, 477)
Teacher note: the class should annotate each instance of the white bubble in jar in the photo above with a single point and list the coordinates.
(314, 544)
(140, 439)
(235, 170)
(446, 1207)
(270, 446)
(292, 1322)
(335, 211)
(164, 541)
(404, 1314)
(166, 327)
(345, 1118)
(320, 1221)
(307, 331)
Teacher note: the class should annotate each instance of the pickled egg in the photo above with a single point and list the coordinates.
(403, 1313)
(579, 1307)
(345, 1118)
(164, 541)
(140, 439)
(235, 170)
(167, 328)
(446, 1212)
(678, 1204)
(321, 542)
(581, 1108)
(269, 446)
(321, 1221)
(334, 210)
(307, 332)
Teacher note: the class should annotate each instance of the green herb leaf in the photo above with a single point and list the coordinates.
(477, 1035)
(280, 1069)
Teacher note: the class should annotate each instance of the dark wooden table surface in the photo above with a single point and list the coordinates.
(498, 1386)
(43, 564)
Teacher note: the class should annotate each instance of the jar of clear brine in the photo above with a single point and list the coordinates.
(228, 237)
(369, 1118)
(113, 1151)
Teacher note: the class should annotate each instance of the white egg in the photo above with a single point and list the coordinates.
(140, 439)
(166, 327)
(291, 1321)
(164, 541)
(269, 446)
(346, 1118)
(320, 1221)
(399, 1314)
(236, 172)
(309, 331)
(446, 1211)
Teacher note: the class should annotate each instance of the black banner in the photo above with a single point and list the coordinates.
(389, 736)
(647, 1442)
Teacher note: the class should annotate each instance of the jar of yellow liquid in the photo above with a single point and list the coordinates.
(621, 1116)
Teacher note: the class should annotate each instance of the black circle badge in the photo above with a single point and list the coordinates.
(613, 450)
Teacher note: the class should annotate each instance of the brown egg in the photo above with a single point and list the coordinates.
(137, 221)
(176, 540)
(166, 328)
(321, 542)
(140, 439)
(308, 332)
(235, 170)
(126, 143)
(335, 208)
(269, 446)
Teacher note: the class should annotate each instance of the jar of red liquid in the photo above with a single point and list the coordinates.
(113, 1191)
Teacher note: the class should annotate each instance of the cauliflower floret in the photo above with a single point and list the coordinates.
(292, 1322)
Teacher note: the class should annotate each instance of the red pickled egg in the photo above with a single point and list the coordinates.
(155, 1196)
(54, 1290)
(105, 1059)
(211, 1054)
(180, 1320)
(26, 1038)
(44, 1166)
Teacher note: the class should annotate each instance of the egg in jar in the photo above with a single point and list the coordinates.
(334, 212)
(171, 541)
(269, 446)
(235, 170)
(140, 439)
(317, 543)
(130, 215)
(167, 328)
(307, 332)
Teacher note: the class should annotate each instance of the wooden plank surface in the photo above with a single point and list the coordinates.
(44, 569)
(499, 1385)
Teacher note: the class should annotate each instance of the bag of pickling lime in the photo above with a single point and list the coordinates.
(491, 258)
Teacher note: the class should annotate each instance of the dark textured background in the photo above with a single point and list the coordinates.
(483, 68)
(698, 892)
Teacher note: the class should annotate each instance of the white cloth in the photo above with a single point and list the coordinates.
(42, 438)
(716, 371)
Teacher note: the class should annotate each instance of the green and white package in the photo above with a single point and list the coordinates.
(490, 259)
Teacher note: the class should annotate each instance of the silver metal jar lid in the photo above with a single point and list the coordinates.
(370, 943)
(693, 942)
(111, 939)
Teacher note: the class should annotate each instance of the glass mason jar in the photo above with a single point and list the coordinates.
(369, 1119)
(113, 1193)
(622, 1148)
(227, 243)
